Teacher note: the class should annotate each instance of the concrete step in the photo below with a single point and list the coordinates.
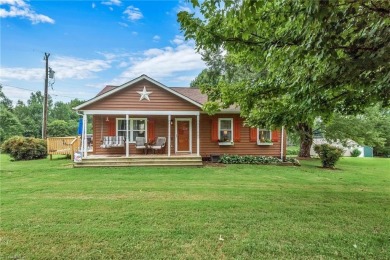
(137, 161)
(140, 161)
(193, 164)
(141, 158)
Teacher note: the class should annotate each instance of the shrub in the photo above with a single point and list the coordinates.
(355, 152)
(293, 161)
(21, 148)
(248, 159)
(383, 151)
(292, 151)
(328, 154)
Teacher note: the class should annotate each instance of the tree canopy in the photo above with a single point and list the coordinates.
(315, 57)
(5, 101)
(287, 62)
(370, 128)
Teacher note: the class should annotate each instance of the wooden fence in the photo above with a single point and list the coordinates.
(63, 145)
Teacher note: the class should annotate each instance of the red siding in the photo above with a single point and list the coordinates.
(111, 126)
(246, 145)
(129, 99)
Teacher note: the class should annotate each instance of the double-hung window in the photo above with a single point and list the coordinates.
(137, 128)
(264, 135)
(225, 129)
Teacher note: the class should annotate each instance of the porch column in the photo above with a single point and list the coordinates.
(282, 144)
(127, 135)
(197, 136)
(169, 135)
(85, 146)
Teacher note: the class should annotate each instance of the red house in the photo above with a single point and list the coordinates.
(145, 108)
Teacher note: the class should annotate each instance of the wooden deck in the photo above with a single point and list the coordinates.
(63, 145)
(139, 160)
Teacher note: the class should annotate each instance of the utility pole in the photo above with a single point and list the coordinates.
(44, 123)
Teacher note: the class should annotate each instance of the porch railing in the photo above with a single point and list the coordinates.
(63, 145)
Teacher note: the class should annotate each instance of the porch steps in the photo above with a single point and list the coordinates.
(140, 161)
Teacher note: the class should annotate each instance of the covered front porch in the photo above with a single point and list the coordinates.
(180, 129)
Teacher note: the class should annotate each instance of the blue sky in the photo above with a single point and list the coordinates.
(92, 44)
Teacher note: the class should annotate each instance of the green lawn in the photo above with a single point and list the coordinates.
(51, 211)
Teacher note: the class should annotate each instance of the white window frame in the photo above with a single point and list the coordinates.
(219, 130)
(258, 136)
(131, 125)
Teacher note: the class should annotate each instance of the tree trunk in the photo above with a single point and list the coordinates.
(305, 132)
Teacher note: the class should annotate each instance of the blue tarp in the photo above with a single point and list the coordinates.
(80, 130)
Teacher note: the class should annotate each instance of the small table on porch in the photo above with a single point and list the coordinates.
(148, 147)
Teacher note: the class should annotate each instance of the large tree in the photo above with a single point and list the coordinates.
(62, 111)
(10, 125)
(370, 128)
(289, 62)
(30, 114)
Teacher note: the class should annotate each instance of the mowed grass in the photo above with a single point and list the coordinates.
(52, 211)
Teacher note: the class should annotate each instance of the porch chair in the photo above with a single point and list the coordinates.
(140, 143)
(159, 145)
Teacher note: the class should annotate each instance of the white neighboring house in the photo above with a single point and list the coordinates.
(350, 146)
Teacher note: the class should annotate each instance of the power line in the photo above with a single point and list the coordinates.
(9, 86)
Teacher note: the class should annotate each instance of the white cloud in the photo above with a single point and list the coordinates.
(134, 33)
(123, 64)
(75, 68)
(114, 57)
(93, 5)
(123, 24)
(22, 73)
(111, 9)
(16, 94)
(112, 2)
(133, 13)
(153, 52)
(156, 38)
(177, 64)
(178, 40)
(184, 8)
(19, 8)
(65, 68)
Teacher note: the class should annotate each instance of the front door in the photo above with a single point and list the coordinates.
(183, 135)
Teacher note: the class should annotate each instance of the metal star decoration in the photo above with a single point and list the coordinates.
(144, 94)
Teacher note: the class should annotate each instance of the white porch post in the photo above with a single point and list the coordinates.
(127, 135)
(282, 144)
(169, 135)
(85, 136)
(197, 136)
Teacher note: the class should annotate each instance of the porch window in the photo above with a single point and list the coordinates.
(137, 128)
(225, 129)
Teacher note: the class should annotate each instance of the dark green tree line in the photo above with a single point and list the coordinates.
(25, 119)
